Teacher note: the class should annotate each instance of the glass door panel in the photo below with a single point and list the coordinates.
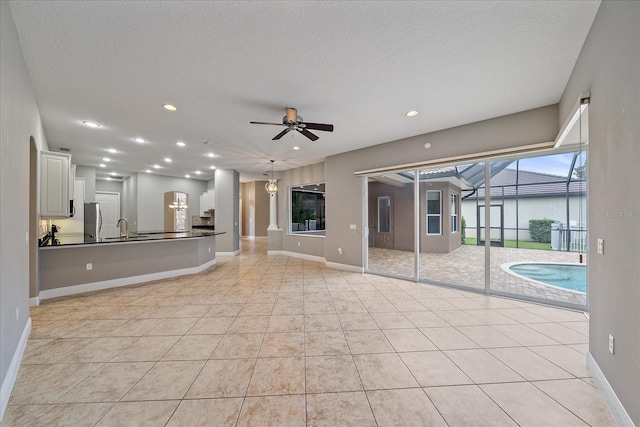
(542, 198)
(450, 227)
(391, 231)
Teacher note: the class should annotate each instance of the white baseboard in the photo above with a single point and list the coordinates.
(255, 237)
(34, 302)
(335, 265)
(234, 253)
(125, 281)
(298, 255)
(346, 267)
(617, 410)
(12, 372)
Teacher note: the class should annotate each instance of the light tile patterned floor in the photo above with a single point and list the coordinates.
(271, 340)
(465, 266)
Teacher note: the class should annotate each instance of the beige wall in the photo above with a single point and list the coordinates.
(609, 66)
(19, 121)
(345, 190)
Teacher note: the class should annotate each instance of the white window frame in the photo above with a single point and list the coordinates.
(439, 214)
(454, 212)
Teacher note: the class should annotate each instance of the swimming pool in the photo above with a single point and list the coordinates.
(566, 276)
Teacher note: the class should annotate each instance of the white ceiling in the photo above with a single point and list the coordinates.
(358, 65)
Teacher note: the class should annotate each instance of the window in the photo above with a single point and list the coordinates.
(384, 214)
(308, 209)
(434, 212)
(454, 213)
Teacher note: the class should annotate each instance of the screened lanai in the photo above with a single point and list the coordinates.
(536, 214)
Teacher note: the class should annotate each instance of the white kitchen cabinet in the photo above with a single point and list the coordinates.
(207, 202)
(55, 184)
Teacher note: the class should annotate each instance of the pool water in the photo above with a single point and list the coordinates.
(572, 277)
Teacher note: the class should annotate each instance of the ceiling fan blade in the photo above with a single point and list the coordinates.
(308, 134)
(281, 134)
(266, 123)
(319, 126)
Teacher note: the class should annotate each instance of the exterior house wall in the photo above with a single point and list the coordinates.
(528, 208)
(402, 213)
(446, 241)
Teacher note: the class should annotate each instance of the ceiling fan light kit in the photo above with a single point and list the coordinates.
(272, 184)
(292, 121)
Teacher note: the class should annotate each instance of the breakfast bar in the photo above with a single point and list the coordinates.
(70, 265)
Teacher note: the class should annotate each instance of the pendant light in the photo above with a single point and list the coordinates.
(272, 185)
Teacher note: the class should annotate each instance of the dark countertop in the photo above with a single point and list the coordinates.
(204, 227)
(143, 236)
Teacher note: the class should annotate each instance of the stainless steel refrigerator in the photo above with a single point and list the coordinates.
(92, 222)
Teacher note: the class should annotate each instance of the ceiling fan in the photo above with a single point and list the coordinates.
(294, 122)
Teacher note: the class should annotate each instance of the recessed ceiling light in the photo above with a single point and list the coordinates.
(198, 172)
(412, 113)
(187, 176)
(427, 145)
(139, 140)
(102, 165)
(211, 155)
(148, 171)
(113, 174)
(212, 167)
(180, 144)
(112, 150)
(108, 178)
(156, 166)
(90, 124)
(168, 160)
(169, 107)
(106, 159)
(296, 148)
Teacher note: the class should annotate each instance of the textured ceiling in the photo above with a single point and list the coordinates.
(358, 65)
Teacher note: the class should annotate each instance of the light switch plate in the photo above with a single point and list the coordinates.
(600, 247)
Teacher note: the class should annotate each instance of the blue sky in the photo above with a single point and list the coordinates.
(555, 164)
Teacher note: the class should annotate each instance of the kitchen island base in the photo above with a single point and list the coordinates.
(73, 269)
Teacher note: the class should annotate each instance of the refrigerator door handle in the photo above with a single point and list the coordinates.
(99, 220)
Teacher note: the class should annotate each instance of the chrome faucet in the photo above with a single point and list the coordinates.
(126, 228)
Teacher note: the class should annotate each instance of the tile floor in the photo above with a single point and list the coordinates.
(271, 340)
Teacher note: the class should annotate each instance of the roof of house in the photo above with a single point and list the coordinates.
(529, 184)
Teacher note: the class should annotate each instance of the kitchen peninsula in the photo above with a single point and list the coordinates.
(71, 266)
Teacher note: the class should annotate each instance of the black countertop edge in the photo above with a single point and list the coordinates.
(141, 237)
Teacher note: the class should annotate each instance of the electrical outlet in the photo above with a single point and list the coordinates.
(89, 266)
(209, 250)
(17, 314)
(27, 237)
(600, 246)
(340, 251)
(298, 243)
(612, 343)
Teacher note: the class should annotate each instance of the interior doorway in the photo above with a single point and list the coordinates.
(34, 225)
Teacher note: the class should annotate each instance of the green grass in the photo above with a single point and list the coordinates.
(512, 244)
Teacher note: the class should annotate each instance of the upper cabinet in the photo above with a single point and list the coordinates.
(56, 185)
